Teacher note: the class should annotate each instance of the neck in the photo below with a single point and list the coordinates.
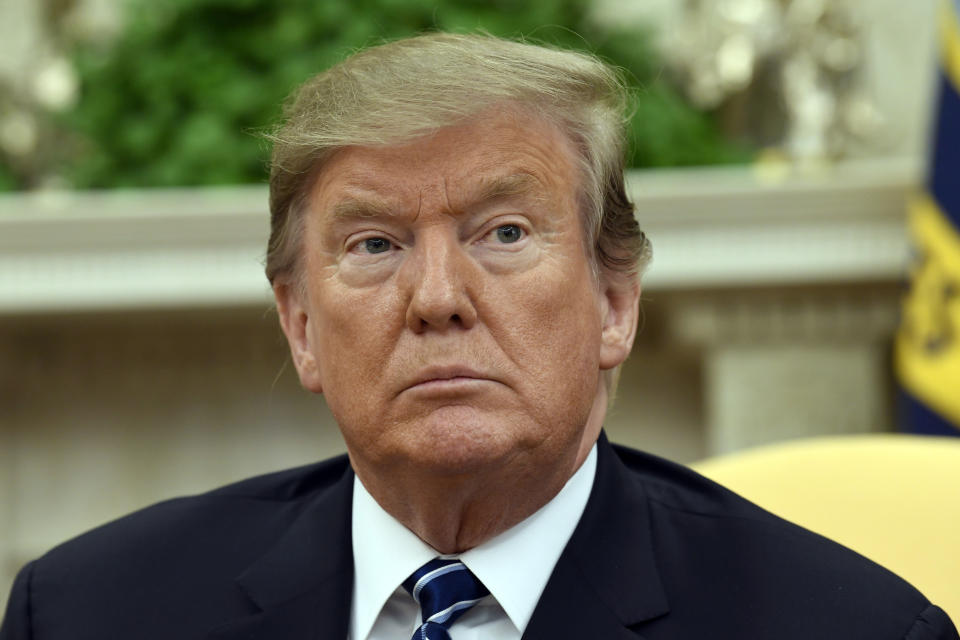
(454, 514)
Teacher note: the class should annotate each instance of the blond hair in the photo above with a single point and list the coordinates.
(399, 91)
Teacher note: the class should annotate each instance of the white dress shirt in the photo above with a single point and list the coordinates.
(514, 566)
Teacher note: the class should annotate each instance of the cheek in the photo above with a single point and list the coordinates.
(352, 334)
(558, 360)
(554, 330)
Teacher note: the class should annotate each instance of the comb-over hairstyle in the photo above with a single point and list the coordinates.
(399, 91)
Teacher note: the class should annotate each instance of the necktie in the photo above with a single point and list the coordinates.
(444, 589)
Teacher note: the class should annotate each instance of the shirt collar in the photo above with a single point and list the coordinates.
(385, 552)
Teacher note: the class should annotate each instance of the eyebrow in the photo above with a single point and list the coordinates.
(504, 186)
(356, 208)
(488, 189)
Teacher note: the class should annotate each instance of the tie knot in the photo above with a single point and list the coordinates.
(444, 589)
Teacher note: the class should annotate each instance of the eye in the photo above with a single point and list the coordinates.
(376, 245)
(509, 233)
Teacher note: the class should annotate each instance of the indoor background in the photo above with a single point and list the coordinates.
(776, 143)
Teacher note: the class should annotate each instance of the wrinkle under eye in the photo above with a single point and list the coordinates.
(509, 233)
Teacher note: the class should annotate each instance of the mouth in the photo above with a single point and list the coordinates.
(445, 379)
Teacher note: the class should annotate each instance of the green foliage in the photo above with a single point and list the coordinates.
(179, 97)
(8, 181)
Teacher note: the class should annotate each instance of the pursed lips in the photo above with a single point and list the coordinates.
(447, 376)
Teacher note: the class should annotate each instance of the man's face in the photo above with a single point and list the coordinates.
(450, 314)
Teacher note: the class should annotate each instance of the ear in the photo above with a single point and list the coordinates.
(295, 322)
(620, 308)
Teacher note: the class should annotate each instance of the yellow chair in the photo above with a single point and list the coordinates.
(892, 498)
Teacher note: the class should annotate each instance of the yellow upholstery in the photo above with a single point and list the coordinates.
(892, 498)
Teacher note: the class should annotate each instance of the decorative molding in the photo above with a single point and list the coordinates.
(736, 227)
(144, 249)
(711, 227)
(862, 314)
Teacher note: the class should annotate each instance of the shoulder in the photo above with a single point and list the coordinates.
(255, 504)
(182, 555)
(723, 554)
(699, 511)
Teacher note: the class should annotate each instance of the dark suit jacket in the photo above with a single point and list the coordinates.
(660, 553)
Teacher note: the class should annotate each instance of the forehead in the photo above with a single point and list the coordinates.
(509, 153)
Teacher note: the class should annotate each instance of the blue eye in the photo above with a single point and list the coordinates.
(509, 233)
(376, 245)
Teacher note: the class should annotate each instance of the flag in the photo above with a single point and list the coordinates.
(927, 348)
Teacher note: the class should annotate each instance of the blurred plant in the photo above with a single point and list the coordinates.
(8, 182)
(783, 72)
(178, 97)
(38, 82)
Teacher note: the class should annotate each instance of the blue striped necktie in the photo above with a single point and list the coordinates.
(444, 589)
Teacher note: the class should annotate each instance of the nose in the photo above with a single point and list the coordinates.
(440, 280)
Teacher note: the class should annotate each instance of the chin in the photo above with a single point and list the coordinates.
(461, 440)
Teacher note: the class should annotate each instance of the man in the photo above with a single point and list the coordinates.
(456, 267)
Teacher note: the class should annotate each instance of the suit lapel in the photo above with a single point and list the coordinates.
(304, 585)
(606, 579)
